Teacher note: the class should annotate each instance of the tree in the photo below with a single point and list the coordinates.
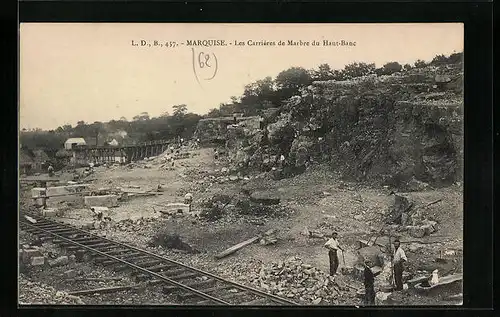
(214, 113)
(143, 116)
(338, 75)
(180, 110)
(439, 60)
(407, 67)
(420, 63)
(80, 123)
(354, 70)
(290, 81)
(391, 68)
(323, 73)
(456, 58)
(257, 95)
(123, 119)
(165, 114)
(294, 78)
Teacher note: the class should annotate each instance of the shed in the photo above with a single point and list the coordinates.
(70, 143)
(113, 142)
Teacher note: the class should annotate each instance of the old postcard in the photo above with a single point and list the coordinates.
(241, 164)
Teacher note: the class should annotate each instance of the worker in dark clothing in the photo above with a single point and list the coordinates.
(369, 281)
(333, 246)
(398, 260)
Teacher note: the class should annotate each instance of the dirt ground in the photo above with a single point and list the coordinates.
(316, 200)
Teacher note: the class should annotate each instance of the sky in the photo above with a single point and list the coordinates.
(93, 72)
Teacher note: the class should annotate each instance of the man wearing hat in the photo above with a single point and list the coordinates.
(333, 246)
(399, 259)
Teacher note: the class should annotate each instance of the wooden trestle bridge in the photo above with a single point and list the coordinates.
(121, 154)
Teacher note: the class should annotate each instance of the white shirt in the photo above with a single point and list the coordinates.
(332, 244)
(399, 255)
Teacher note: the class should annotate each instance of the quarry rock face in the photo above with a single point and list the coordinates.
(404, 130)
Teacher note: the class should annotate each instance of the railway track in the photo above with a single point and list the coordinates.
(192, 286)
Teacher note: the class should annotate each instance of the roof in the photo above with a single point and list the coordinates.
(113, 142)
(75, 140)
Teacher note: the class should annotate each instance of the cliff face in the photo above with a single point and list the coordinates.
(398, 129)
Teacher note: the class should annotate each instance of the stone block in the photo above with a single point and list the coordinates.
(55, 202)
(37, 261)
(40, 202)
(430, 226)
(372, 254)
(88, 225)
(49, 212)
(177, 208)
(416, 231)
(60, 261)
(68, 189)
(266, 198)
(103, 210)
(347, 270)
(428, 229)
(38, 192)
(27, 254)
(381, 298)
(101, 201)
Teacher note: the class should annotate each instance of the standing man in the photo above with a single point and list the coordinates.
(369, 281)
(188, 200)
(399, 259)
(51, 171)
(333, 246)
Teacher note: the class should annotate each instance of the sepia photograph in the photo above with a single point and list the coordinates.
(242, 164)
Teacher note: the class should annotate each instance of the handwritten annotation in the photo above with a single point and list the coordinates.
(204, 63)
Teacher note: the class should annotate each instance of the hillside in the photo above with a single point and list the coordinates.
(401, 130)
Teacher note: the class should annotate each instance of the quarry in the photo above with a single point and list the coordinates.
(244, 208)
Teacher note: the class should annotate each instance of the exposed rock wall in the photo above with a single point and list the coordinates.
(383, 129)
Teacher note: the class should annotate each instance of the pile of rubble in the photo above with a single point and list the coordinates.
(133, 225)
(298, 281)
(411, 219)
(33, 293)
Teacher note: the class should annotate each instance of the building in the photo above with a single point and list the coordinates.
(113, 143)
(71, 143)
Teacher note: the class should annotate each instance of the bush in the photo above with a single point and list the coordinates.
(358, 70)
(214, 208)
(391, 68)
(170, 241)
(439, 60)
(213, 213)
(420, 64)
(407, 67)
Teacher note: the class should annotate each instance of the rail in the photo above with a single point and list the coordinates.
(153, 265)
